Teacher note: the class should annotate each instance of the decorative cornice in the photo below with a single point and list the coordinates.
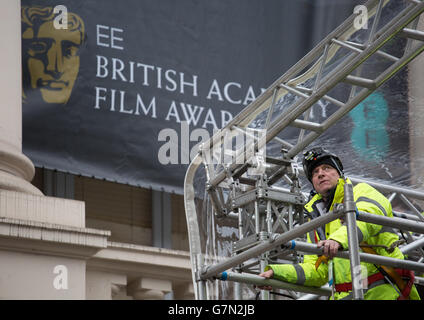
(143, 261)
(51, 239)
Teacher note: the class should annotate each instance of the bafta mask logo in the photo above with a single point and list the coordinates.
(50, 55)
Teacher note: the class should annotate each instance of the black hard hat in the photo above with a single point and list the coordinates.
(317, 156)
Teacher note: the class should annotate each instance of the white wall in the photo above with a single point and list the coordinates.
(32, 276)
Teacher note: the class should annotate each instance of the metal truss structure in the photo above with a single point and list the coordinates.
(242, 189)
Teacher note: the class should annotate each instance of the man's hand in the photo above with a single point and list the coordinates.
(267, 275)
(330, 247)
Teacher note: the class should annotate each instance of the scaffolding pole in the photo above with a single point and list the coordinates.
(284, 242)
(352, 236)
(213, 270)
(313, 249)
(393, 222)
(260, 281)
(365, 257)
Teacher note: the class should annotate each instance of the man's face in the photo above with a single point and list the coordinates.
(53, 62)
(324, 178)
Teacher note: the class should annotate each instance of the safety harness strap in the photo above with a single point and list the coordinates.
(410, 275)
(347, 286)
(404, 273)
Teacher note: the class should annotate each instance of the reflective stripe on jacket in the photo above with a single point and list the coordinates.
(369, 200)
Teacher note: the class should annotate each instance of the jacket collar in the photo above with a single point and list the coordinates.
(338, 194)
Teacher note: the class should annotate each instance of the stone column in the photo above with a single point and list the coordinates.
(184, 291)
(44, 242)
(105, 285)
(16, 170)
(149, 288)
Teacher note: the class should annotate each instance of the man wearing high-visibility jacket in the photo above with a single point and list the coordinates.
(325, 171)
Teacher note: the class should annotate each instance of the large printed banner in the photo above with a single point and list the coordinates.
(102, 79)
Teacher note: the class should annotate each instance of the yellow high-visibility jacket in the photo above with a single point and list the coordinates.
(369, 200)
